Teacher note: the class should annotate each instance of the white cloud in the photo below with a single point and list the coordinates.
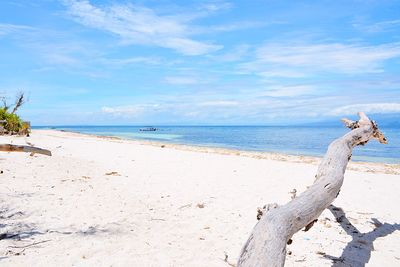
(281, 73)
(382, 26)
(135, 110)
(63, 49)
(61, 59)
(236, 54)
(187, 46)
(221, 5)
(206, 107)
(367, 108)
(288, 91)
(12, 28)
(181, 80)
(140, 25)
(131, 61)
(219, 103)
(130, 111)
(311, 59)
(242, 25)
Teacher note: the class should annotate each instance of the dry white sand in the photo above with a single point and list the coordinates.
(177, 206)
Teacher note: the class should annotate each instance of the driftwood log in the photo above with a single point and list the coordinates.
(21, 148)
(266, 246)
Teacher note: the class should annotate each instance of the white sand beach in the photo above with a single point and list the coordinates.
(108, 202)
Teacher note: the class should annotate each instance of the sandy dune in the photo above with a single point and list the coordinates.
(110, 202)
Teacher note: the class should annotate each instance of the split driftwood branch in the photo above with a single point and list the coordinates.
(266, 245)
(20, 148)
(18, 103)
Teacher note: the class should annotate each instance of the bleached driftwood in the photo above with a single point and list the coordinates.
(266, 246)
(20, 148)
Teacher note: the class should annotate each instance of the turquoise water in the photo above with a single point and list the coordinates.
(295, 140)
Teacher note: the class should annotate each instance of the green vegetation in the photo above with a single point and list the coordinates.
(11, 123)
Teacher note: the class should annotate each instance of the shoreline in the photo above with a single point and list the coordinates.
(154, 204)
(363, 166)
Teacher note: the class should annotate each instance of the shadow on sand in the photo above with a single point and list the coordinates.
(11, 227)
(358, 251)
(14, 229)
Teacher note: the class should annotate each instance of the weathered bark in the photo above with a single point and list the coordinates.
(266, 246)
(20, 148)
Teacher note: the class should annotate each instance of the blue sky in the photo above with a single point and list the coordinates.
(199, 62)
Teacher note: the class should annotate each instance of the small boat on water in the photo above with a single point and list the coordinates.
(148, 129)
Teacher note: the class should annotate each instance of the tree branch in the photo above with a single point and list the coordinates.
(266, 245)
(20, 148)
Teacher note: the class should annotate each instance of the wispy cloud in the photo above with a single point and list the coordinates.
(219, 103)
(131, 61)
(140, 25)
(237, 26)
(216, 6)
(217, 108)
(59, 58)
(13, 28)
(181, 80)
(368, 108)
(378, 27)
(237, 53)
(127, 111)
(310, 59)
(282, 73)
(52, 47)
(288, 91)
(68, 51)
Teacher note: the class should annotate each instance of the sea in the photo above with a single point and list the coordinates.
(292, 140)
